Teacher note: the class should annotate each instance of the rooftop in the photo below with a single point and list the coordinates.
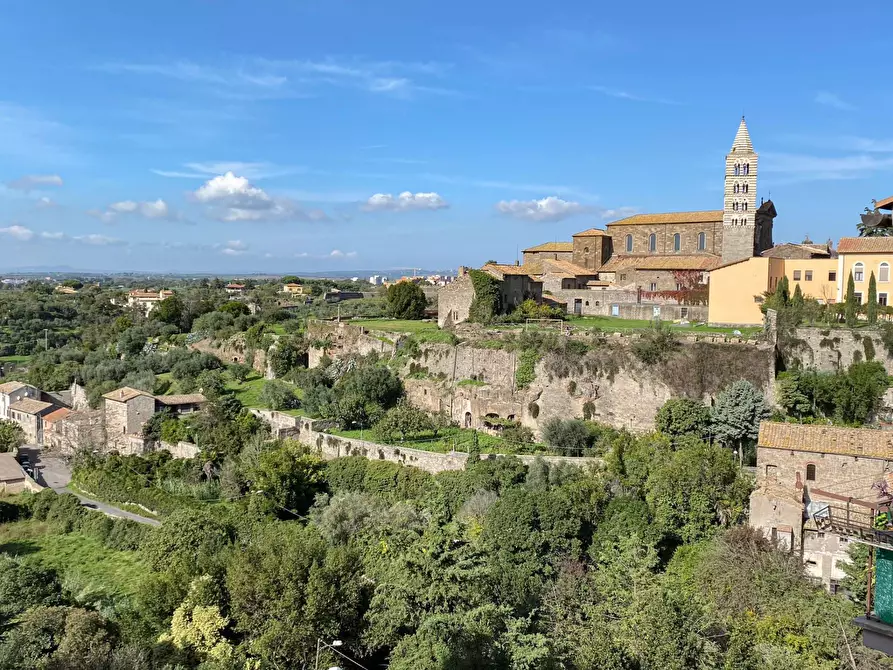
(189, 399)
(11, 387)
(680, 262)
(592, 232)
(30, 406)
(742, 141)
(10, 470)
(552, 246)
(827, 439)
(709, 216)
(499, 270)
(58, 415)
(886, 203)
(125, 394)
(865, 245)
(791, 250)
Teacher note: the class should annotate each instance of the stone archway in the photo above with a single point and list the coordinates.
(467, 423)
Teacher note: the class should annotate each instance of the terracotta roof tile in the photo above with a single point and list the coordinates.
(827, 439)
(552, 246)
(30, 406)
(592, 232)
(709, 216)
(190, 399)
(124, 394)
(11, 387)
(567, 267)
(59, 414)
(886, 203)
(865, 245)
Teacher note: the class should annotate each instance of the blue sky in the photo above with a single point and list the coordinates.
(279, 135)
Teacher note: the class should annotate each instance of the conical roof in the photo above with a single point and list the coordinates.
(742, 142)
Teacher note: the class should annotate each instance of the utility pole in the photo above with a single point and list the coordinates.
(46, 339)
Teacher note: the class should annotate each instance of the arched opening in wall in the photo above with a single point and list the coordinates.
(629, 243)
(677, 242)
(652, 242)
(702, 241)
(858, 272)
(585, 250)
(510, 417)
(883, 273)
(468, 419)
(810, 472)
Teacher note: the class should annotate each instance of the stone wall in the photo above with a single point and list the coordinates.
(232, 350)
(833, 349)
(663, 233)
(454, 301)
(346, 339)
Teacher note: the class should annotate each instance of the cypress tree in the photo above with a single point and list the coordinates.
(871, 308)
(797, 300)
(850, 303)
(783, 293)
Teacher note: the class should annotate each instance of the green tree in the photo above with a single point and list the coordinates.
(152, 428)
(406, 300)
(210, 384)
(403, 420)
(235, 308)
(278, 395)
(737, 414)
(11, 435)
(289, 479)
(189, 542)
(858, 393)
(797, 300)
(851, 308)
(783, 292)
(871, 307)
(170, 310)
(683, 416)
(856, 570)
(570, 437)
(24, 584)
(287, 355)
(239, 371)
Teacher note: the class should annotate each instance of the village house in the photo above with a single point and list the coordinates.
(126, 410)
(12, 477)
(235, 289)
(293, 289)
(13, 392)
(68, 431)
(147, 300)
(29, 413)
(804, 472)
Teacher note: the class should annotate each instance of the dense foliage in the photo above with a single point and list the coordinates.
(406, 300)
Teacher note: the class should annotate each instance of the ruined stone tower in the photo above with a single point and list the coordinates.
(740, 200)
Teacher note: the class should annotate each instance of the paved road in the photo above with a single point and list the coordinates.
(55, 473)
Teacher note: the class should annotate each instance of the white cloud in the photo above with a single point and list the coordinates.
(203, 170)
(18, 232)
(234, 248)
(337, 253)
(53, 236)
(404, 202)
(98, 240)
(34, 182)
(832, 100)
(46, 202)
(632, 97)
(157, 209)
(234, 198)
(551, 208)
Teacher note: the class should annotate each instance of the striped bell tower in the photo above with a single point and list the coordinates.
(740, 199)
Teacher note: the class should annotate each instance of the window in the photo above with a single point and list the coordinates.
(735, 189)
(737, 169)
(746, 189)
(652, 242)
(810, 472)
(796, 275)
(747, 168)
(735, 206)
(744, 206)
(629, 243)
(858, 272)
(882, 299)
(884, 272)
(653, 286)
(585, 250)
(702, 241)
(807, 275)
(771, 472)
(832, 276)
(858, 296)
(678, 286)
(683, 312)
(677, 242)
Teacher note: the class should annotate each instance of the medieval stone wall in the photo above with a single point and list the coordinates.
(343, 338)
(832, 349)
(454, 301)
(664, 232)
(232, 351)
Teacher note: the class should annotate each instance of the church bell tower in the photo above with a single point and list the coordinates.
(740, 199)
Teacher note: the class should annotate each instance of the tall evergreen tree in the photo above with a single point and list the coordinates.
(783, 293)
(797, 300)
(850, 302)
(871, 308)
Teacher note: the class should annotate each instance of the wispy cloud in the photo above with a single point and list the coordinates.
(804, 167)
(632, 97)
(829, 99)
(258, 78)
(155, 209)
(35, 182)
(23, 234)
(255, 170)
(498, 184)
(18, 232)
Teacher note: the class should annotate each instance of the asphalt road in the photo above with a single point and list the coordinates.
(55, 474)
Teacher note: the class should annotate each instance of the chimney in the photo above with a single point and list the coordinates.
(121, 393)
(517, 263)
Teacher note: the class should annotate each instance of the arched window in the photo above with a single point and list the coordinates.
(677, 242)
(884, 272)
(746, 188)
(629, 243)
(735, 190)
(744, 205)
(735, 206)
(810, 472)
(652, 242)
(737, 169)
(702, 241)
(858, 272)
(585, 250)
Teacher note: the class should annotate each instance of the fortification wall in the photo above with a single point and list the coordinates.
(232, 351)
(832, 349)
(343, 339)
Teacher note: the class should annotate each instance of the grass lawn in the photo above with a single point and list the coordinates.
(249, 393)
(452, 439)
(616, 324)
(395, 325)
(14, 359)
(92, 566)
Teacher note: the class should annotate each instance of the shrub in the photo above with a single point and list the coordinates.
(278, 395)
(656, 345)
(571, 437)
(525, 372)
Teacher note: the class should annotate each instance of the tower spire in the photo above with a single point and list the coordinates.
(742, 141)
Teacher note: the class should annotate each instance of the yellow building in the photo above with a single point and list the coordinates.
(863, 256)
(737, 288)
(293, 289)
(816, 277)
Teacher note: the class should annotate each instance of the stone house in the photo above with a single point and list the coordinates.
(12, 477)
(29, 414)
(180, 405)
(147, 300)
(801, 470)
(13, 392)
(126, 410)
(235, 289)
(69, 431)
